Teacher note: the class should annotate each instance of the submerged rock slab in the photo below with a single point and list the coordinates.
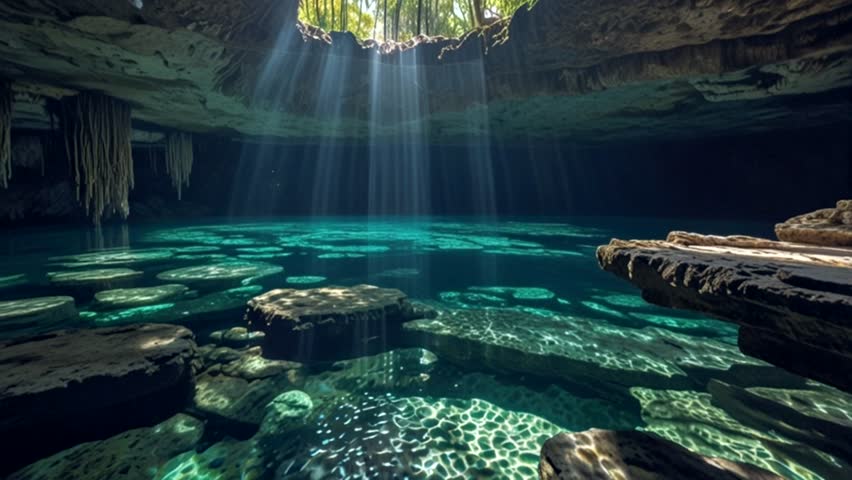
(328, 323)
(87, 282)
(691, 419)
(829, 227)
(113, 257)
(605, 455)
(793, 301)
(220, 275)
(80, 385)
(30, 315)
(133, 454)
(138, 297)
(577, 348)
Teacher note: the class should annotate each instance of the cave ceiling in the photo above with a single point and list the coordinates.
(589, 70)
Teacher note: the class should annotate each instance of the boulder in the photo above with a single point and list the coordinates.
(130, 455)
(68, 386)
(236, 337)
(831, 227)
(328, 323)
(792, 301)
(610, 455)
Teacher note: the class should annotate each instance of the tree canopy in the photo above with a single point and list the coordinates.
(401, 20)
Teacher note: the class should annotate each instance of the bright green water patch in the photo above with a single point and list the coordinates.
(305, 280)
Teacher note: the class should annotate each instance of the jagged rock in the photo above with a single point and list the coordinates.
(86, 282)
(79, 385)
(605, 455)
(137, 297)
(130, 455)
(30, 315)
(571, 348)
(330, 322)
(830, 227)
(793, 302)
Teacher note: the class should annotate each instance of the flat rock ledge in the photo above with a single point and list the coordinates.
(606, 454)
(792, 301)
(70, 386)
(329, 323)
(829, 227)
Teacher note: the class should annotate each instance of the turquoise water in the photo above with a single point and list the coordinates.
(532, 339)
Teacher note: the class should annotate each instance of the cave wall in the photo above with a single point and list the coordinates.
(767, 177)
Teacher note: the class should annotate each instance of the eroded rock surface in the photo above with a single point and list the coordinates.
(130, 455)
(593, 69)
(605, 455)
(572, 348)
(79, 385)
(830, 227)
(342, 322)
(793, 301)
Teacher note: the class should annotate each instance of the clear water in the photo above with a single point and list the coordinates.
(584, 350)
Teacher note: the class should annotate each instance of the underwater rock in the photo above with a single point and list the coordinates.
(286, 411)
(237, 384)
(138, 297)
(690, 419)
(86, 283)
(817, 416)
(79, 385)
(31, 315)
(130, 455)
(792, 301)
(305, 280)
(574, 348)
(328, 323)
(830, 227)
(237, 337)
(220, 275)
(113, 257)
(605, 454)
(207, 310)
(9, 281)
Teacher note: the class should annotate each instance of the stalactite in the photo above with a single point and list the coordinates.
(6, 100)
(97, 134)
(179, 159)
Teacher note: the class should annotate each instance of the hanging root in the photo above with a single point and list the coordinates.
(179, 159)
(97, 138)
(6, 99)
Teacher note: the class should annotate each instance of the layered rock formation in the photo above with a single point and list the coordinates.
(792, 301)
(329, 323)
(588, 68)
(605, 455)
(65, 387)
(829, 226)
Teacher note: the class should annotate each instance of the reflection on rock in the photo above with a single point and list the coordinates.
(605, 455)
(133, 454)
(342, 322)
(793, 301)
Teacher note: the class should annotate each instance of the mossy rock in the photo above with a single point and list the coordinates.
(138, 297)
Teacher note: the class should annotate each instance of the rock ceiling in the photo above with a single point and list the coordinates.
(586, 69)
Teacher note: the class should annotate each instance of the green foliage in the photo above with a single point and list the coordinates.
(404, 19)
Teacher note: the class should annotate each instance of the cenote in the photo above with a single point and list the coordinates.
(417, 239)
